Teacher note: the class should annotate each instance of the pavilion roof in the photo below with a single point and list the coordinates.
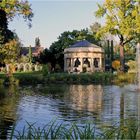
(83, 43)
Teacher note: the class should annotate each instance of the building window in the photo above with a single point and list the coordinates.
(96, 62)
(86, 62)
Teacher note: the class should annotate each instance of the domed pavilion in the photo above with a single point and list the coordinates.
(83, 57)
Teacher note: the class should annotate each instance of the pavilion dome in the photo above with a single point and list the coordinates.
(83, 46)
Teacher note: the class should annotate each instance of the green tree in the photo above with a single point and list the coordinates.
(30, 54)
(5, 34)
(8, 10)
(13, 8)
(37, 42)
(121, 19)
(10, 51)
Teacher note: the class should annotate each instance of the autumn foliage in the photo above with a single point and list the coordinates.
(116, 64)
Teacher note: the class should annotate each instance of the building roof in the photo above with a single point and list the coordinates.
(83, 46)
(83, 43)
(35, 50)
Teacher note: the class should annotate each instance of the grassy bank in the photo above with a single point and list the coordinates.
(38, 78)
(54, 130)
(83, 78)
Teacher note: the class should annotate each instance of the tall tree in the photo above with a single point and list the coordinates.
(8, 10)
(5, 34)
(120, 20)
(37, 42)
(30, 54)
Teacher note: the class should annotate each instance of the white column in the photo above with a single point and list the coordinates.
(91, 64)
(100, 63)
(81, 64)
(72, 64)
(30, 67)
(36, 67)
(7, 67)
(18, 66)
(24, 67)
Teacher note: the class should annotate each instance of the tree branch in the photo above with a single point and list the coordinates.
(128, 40)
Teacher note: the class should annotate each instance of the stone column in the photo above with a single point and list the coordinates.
(7, 67)
(72, 64)
(91, 64)
(100, 63)
(93, 67)
(30, 67)
(18, 66)
(24, 68)
(81, 64)
(36, 67)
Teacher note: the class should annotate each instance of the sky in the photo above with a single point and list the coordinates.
(53, 17)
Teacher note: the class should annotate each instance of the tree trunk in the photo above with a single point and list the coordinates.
(122, 61)
(5, 33)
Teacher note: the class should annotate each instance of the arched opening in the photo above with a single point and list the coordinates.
(27, 67)
(21, 67)
(16, 67)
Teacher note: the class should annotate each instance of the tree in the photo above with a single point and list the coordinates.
(10, 51)
(121, 19)
(37, 42)
(30, 54)
(5, 34)
(13, 8)
(8, 10)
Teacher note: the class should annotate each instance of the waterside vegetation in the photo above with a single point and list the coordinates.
(58, 78)
(55, 130)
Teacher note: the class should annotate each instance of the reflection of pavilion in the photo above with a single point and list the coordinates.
(83, 57)
(86, 97)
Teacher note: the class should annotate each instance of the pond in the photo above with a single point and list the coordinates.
(97, 104)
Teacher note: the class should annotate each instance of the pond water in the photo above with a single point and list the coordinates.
(97, 104)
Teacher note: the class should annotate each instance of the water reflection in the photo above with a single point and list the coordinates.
(103, 105)
(85, 97)
(119, 103)
(8, 108)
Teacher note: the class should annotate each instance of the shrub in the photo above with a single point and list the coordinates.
(45, 70)
(116, 64)
(132, 66)
(58, 68)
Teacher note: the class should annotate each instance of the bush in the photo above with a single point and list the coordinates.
(116, 65)
(45, 70)
(58, 68)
